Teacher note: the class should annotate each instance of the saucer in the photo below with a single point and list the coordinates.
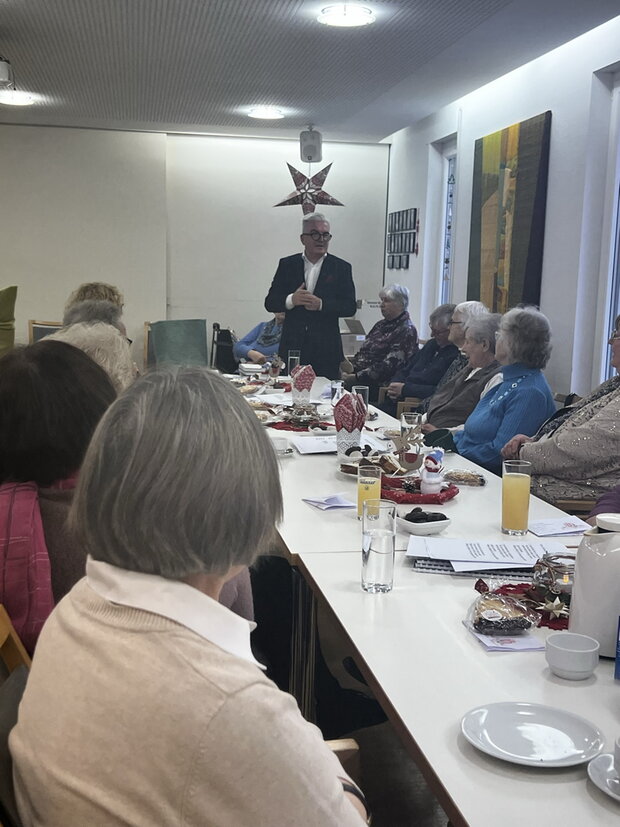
(602, 773)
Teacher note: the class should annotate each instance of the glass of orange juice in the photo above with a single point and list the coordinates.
(516, 478)
(368, 486)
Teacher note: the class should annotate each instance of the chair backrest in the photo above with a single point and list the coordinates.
(8, 295)
(12, 650)
(222, 357)
(39, 330)
(179, 342)
(149, 353)
(11, 693)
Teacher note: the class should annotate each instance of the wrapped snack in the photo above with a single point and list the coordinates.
(499, 614)
(464, 477)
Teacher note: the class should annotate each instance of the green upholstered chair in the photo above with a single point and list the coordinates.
(8, 295)
(179, 342)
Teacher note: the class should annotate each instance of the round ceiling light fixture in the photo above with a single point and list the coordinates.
(269, 113)
(15, 97)
(346, 15)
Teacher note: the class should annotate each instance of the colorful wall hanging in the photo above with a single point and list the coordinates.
(508, 214)
(309, 191)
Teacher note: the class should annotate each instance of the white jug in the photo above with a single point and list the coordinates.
(595, 602)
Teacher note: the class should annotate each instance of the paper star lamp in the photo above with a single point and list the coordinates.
(309, 191)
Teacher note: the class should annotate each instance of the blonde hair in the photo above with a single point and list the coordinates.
(105, 345)
(96, 291)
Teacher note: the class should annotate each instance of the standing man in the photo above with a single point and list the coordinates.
(314, 289)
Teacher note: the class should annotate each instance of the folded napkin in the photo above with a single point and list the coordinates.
(303, 377)
(350, 413)
(325, 503)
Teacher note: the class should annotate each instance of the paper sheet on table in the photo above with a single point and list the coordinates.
(526, 642)
(516, 554)
(332, 501)
(277, 399)
(314, 444)
(561, 527)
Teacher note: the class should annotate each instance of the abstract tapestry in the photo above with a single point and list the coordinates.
(508, 214)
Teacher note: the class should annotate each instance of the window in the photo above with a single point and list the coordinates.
(446, 260)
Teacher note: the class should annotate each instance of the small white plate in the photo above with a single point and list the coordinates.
(532, 734)
(602, 773)
(422, 529)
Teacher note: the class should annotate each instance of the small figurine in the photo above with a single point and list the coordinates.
(431, 478)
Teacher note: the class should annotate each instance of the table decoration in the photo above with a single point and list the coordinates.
(349, 416)
(303, 377)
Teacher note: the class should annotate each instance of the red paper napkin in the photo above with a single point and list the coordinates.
(303, 377)
(350, 413)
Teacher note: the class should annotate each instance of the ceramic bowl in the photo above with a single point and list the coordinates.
(422, 529)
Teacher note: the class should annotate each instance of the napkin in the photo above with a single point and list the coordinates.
(303, 377)
(350, 413)
(325, 503)
(526, 642)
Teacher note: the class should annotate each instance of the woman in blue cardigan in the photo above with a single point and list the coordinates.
(522, 401)
(261, 342)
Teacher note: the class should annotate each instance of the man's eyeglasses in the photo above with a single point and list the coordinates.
(317, 236)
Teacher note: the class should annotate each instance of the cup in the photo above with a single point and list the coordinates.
(515, 496)
(363, 391)
(368, 485)
(409, 421)
(293, 360)
(571, 656)
(337, 390)
(378, 543)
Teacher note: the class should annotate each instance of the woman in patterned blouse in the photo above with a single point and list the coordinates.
(389, 345)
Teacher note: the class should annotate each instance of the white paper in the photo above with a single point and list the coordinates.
(332, 501)
(520, 553)
(273, 399)
(526, 642)
(460, 565)
(565, 525)
(314, 444)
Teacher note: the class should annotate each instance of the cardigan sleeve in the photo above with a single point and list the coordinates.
(582, 451)
(243, 346)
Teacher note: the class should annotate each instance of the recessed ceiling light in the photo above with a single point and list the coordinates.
(346, 14)
(15, 97)
(270, 113)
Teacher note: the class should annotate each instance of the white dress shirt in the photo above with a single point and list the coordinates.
(312, 271)
(176, 601)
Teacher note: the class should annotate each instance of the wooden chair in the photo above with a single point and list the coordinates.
(12, 650)
(576, 507)
(409, 403)
(347, 751)
(39, 330)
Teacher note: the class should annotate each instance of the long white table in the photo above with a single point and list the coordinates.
(427, 671)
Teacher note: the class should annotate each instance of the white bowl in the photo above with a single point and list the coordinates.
(422, 529)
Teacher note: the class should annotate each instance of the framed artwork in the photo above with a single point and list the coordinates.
(508, 214)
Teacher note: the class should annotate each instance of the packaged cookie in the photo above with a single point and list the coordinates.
(499, 614)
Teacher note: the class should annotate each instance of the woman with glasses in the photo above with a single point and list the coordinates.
(576, 453)
(314, 289)
(521, 402)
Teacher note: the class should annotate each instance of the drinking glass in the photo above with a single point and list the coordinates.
(516, 475)
(293, 360)
(368, 486)
(364, 392)
(409, 421)
(337, 390)
(378, 545)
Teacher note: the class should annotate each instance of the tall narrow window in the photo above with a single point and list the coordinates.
(614, 304)
(446, 261)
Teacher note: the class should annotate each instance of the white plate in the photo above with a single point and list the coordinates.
(421, 529)
(602, 773)
(532, 734)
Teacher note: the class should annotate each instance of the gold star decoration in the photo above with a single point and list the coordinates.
(309, 191)
(556, 608)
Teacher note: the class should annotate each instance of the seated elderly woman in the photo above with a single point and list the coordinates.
(576, 454)
(451, 404)
(521, 402)
(106, 345)
(52, 396)
(96, 291)
(261, 342)
(161, 715)
(91, 312)
(388, 346)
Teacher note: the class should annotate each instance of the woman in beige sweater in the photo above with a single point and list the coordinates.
(145, 705)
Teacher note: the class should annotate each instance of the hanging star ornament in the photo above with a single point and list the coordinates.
(309, 191)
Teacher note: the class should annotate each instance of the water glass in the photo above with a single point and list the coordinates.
(368, 485)
(516, 477)
(293, 360)
(363, 391)
(378, 545)
(337, 390)
(409, 421)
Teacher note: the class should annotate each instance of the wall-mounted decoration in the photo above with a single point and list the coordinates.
(309, 191)
(401, 238)
(508, 214)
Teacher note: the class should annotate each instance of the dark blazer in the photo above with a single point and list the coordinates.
(316, 333)
(425, 368)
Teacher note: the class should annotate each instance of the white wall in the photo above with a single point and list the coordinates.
(82, 205)
(563, 82)
(225, 237)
